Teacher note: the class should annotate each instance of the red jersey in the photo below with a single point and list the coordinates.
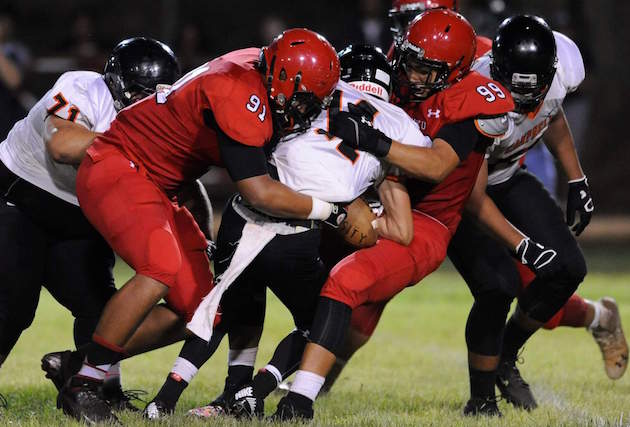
(172, 135)
(476, 97)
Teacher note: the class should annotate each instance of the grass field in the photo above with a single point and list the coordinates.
(413, 372)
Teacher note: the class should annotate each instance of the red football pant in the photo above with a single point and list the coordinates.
(366, 316)
(154, 236)
(378, 273)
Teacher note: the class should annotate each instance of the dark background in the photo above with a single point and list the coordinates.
(53, 37)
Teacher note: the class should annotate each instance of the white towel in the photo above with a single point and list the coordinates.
(253, 240)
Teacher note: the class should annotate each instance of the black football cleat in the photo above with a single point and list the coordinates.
(245, 405)
(81, 398)
(288, 410)
(479, 406)
(513, 387)
(157, 410)
(61, 365)
(120, 400)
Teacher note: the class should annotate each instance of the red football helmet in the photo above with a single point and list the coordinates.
(403, 12)
(301, 70)
(437, 50)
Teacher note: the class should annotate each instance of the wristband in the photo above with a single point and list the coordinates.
(573, 181)
(320, 210)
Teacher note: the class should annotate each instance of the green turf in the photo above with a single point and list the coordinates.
(413, 372)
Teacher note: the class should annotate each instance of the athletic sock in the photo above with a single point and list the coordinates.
(238, 376)
(482, 383)
(307, 384)
(513, 339)
(266, 381)
(171, 390)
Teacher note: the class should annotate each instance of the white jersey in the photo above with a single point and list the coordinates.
(525, 130)
(320, 166)
(78, 96)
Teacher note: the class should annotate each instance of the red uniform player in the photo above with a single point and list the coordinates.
(432, 61)
(220, 114)
(577, 312)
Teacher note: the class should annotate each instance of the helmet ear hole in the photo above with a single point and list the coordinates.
(283, 75)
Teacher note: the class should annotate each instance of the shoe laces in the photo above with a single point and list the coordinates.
(4, 403)
(133, 394)
(512, 371)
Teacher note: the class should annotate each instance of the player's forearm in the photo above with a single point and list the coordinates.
(276, 199)
(397, 223)
(427, 164)
(492, 220)
(195, 198)
(67, 142)
(559, 140)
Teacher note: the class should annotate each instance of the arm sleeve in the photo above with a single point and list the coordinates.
(241, 161)
(462, 136)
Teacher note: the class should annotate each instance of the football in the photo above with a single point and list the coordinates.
(357, 228)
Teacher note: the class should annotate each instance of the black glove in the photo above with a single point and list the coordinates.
(211, 249)
(579, 200)
(541, 260)
(355, 128)
(337, 216)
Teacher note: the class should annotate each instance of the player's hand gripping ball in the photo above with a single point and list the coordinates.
(357, 228)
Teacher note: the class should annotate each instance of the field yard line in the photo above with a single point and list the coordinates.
(580, 415)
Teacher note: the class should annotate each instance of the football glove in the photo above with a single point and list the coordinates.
(356, 129)
(541, 260)
(211, 249)
(579, 201)
(337, 216)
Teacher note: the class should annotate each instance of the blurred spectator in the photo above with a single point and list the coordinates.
(189, 50)
(83, 46)
(14, 59)
(373, 23)
(270, 27)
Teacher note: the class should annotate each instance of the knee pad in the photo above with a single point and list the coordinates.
(330, 324)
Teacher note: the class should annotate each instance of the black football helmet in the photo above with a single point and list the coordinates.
(524, 59)
(366, 68)
(136, 66)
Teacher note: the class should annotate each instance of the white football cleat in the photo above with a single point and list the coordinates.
(612, 341)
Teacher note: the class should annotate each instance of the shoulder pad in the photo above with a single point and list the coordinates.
(570, 68)
(239, 103)
(494, 127)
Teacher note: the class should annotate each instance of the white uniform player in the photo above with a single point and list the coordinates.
(317, 165)
(81, 97)
(525, 130)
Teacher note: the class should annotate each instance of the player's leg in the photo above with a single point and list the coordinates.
(23, 246)
(369, 275)
(525, 203)
(492, 278)
(362, 325)
(238, 304)
(601, 318)
(136, 219)
(296, 274)
(79, 276)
